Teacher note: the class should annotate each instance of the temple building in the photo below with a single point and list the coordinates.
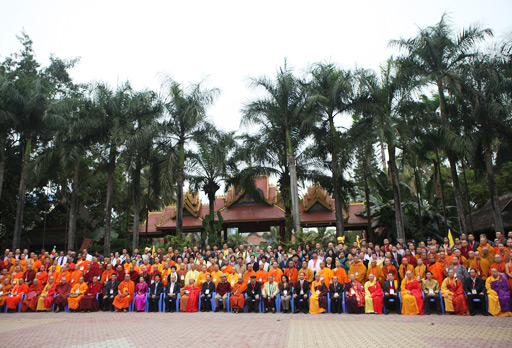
(240, 210)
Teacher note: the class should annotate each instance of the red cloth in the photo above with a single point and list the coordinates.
(377, 298)
(415, 288)
(193, 298)
(459, 302)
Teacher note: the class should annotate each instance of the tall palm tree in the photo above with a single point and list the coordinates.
(74, 124)
(212, 164)
(435, 54)
(144, 108)
(383, 101)
(186, 108)
(285, 111)
(115, 125)
(486, 86)
(331, 90)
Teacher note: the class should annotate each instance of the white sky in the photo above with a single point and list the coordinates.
(225, 42)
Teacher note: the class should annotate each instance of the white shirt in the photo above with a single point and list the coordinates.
(314, 265)
(89, 257)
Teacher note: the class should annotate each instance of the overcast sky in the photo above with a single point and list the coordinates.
(225, 42)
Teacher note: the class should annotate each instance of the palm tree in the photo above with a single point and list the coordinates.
(383, 101)
(211, 164)
(486, 86)
(285, 111)
(186, 109)
(331, 90)
(143, 109)
(435, 55)
(115, 125)
(75, 125)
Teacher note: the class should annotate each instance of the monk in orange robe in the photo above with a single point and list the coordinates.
(248, 274)
(358, 269)
(262, 277)
(340, 272)
(189, 301)
(375, 270)
(412, 296)
(481, 265)
(20, 289)
(125, 296)
(106, 275)
(276, 272)
(77, 274)
(5, 291)
(436, 269)
(404, 268)
(420, 270)
(30, 301)
(326, 274)
(201, 278)
(227, 269)
(291, 272)
(76, 294)
(42, 276)
(237, 299)
(16, 275)
(388, 268)
(453, 294)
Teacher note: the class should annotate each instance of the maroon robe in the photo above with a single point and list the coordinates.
(62, 291)
(29, 276)
(33, 292)
(88, 301)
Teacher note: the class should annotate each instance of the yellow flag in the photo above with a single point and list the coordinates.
(153, 252)
(450, 238)
(358, 243)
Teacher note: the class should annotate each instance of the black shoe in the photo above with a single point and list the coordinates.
(216, 309)
(266, 310)
(386, 312)
(306, 312)
(296, 311)
(428, 313)
(439, 313)
(472, 314)
(485, 313)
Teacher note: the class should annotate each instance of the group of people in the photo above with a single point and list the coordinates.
(409, 278)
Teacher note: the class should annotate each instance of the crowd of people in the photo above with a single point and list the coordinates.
(408, 278)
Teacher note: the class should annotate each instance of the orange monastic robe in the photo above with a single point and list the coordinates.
(201, 278)
(376, 271)
(292, 274)
(75, 278)
(359, 271)
(437, 272)
(402, 272)
(248, 275)
(125, 288)
(32, 303)
(13, 301)
(227, 269)
(237, 299)
(482, 267)
(5, 291)
(106, 276)
(341, 274)
(326, 275)
(216, 277)
(262, 277)
(276, 273)
(419, 271)
(79, 289)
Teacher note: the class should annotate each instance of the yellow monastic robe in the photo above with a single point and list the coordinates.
(493, 302)
(80, 290)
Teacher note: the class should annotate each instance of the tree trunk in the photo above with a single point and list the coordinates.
(371, 232)
(338, 200)
(284, 188)
(21, 196)
(179, 192)
(440, 186)
(108, 205)
(495, 199)
(2, 168)
(73, 210)
(383, 156)
(458, 195)
(294, 192)
(418, 198)
(136, 202)
(399, 217)
(468, 204)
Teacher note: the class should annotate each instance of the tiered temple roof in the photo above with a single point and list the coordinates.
(239, 209)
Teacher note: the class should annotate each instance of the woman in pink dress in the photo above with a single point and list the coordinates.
(141, 289)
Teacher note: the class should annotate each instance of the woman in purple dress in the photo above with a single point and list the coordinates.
(141, 289)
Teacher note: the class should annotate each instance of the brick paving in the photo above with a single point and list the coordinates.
(226, 330)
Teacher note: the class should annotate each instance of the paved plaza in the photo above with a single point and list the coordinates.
(228, 330)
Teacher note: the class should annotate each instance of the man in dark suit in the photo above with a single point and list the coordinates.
(206, 294)
(396, 257)
(391, 289)
(475, 289)
(172, 289)
(155, 290)
(253, 295)
(255, 264)
(336, 295)
(111, 291)
(301, 292)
